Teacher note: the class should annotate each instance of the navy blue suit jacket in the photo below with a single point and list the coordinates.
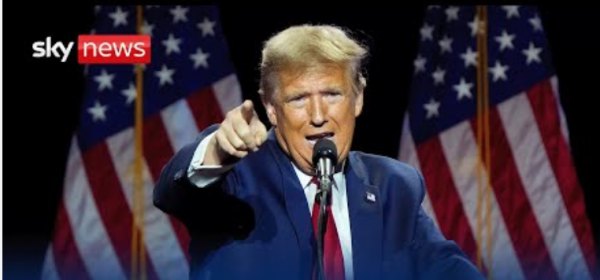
(255, 222)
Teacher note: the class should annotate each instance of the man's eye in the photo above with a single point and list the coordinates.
(333, 96)
(298, 100)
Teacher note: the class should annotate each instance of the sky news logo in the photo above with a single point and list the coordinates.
(98, 49)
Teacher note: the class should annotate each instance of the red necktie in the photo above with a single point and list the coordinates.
(333, 260)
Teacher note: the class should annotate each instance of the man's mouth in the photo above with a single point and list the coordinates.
(312, 139)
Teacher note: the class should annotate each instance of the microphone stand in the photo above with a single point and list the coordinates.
(324, 159)
(323, 194)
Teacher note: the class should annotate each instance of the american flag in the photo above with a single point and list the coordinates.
(188, 85)
(485, 112)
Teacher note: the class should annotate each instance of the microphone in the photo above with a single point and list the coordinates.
(325, 159)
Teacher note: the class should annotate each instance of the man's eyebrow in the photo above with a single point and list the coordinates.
(299, 93)
(332, 89)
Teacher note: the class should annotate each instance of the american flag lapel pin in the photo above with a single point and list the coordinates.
(371, 197)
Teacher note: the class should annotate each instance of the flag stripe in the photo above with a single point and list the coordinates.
(49, 267)
(157, 151)
(408, 155)
(541, 96)
(542, 189)
(68, 260)
(205, 108)
(228, 93)
(564, 128)
(460, 150)
(112, 206)
(516, 208)
(83, 212)
(442, 192)
(159, 236)
(157, 147)
(179, 124)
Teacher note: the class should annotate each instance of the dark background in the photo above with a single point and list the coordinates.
(41, 97)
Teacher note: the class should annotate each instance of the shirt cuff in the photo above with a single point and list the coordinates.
(203, 175)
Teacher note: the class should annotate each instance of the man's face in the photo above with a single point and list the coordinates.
(311, 105)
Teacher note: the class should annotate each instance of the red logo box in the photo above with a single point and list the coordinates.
(113, 49)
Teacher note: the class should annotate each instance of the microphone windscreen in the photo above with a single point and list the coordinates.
(325, 148)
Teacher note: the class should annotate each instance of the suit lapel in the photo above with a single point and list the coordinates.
(296, 207)
(364, 205)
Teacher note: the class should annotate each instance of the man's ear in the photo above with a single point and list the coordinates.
(270, 110)
(358, 104)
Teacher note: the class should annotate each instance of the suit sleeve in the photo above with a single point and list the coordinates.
(439, 258)
(177, 195)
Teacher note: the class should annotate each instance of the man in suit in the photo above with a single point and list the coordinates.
(247, 195)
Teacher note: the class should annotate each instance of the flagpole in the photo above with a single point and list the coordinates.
(483, 142)
(138, 250)
(480, 66)
(486, 126)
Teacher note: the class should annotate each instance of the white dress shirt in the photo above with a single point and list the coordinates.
(203, 175)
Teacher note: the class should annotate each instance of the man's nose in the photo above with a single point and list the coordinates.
(318, 111)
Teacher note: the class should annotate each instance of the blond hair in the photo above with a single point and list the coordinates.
(305, 46)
